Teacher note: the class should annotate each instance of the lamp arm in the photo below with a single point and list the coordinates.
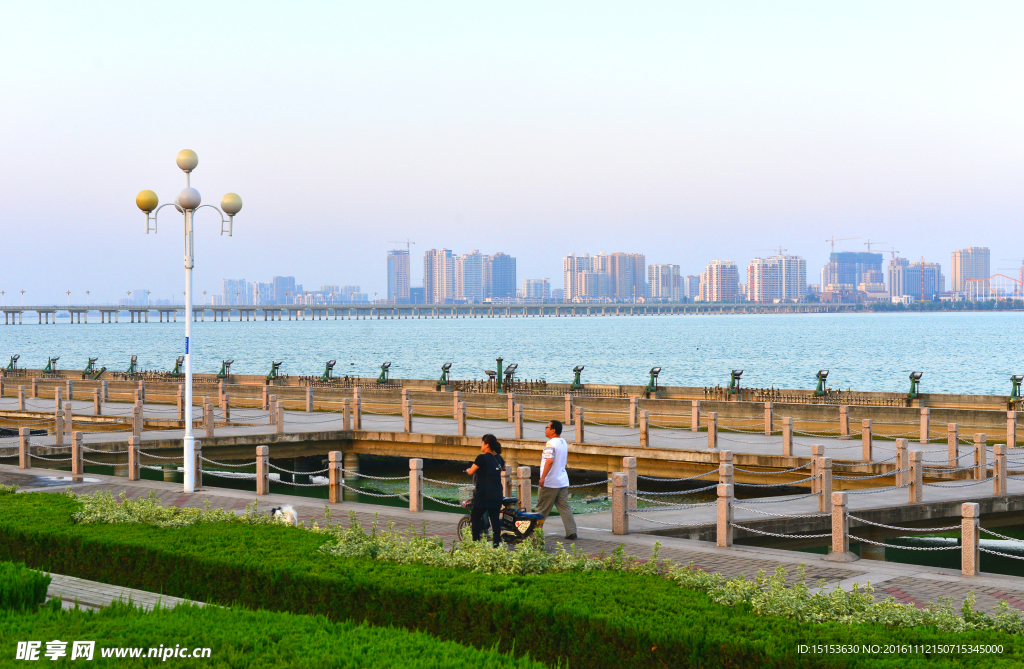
(153, 215)
(229, 220)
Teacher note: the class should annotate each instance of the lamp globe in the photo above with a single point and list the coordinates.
(187, 160)
(189, 198)
(231, 204)
(147, 200)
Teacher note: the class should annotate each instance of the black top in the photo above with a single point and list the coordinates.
(489, 492)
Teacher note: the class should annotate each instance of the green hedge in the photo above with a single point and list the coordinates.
(596, 619)
(241, 638)
(21, 588)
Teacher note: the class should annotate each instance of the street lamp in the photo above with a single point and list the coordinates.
(187, 202)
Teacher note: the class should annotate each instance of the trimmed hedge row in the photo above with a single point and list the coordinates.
(241, 638)
(596, 619)
(21, 588)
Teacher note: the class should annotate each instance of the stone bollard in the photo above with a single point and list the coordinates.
(181, 402)
(209, 421)
(225, 407)
(69, 389)
(279, 421)
(629, 469)
(645, 428)
(335, 461)
(844, 422)
(713, 430)
(142, 390)
(517, 423)
(695, 416)
(620, 504)
(415, 485)
(916, 478)
(346, 414)
(206, 409)
(265, 404)
(197, 470)
(68, 416)
(133, 458)
(902, 462)
(407, 415)
(77, 466)
(35, 388)
(460, 420)
(357, 410)
(568, 410)
(58, 428)
(271, 409)
(137, 419)
(926, 425)
(97, 406)
(507, 476)
(840, 531)
(1011, 429)
(953, 444)
(139, 396)
(970, 538)
(769, 423)
(866, 441)
(511, 407)
(456, 398)
(723, 533)
(58, 399)
(980, 456)
(578, 424)
(817, 452)
(525, 488)
(24, 459)
(21, 398)
(105, 394)
(632, 411)
(726, 471)
(825, 485)
(262, 470)
(787, 437)
(220, 390)
(999, 470)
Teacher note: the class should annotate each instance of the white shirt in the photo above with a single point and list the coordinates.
(557, 451)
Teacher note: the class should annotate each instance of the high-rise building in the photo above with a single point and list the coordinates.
(793, 274)
(469, 277)
(971, 263)
(664, 282)
(399, 271)
(284, 289)
(847, 268)
(920, 280)
(573, 267)
(764, 280)
(536, 289)
(500, 276)
(438, 276)
(615, 276)
(628, 276)
(720, 282)
(558, 295)
(691, 286)
(236, 291)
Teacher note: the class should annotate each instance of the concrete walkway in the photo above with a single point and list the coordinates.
(93, 594)
(908, 583)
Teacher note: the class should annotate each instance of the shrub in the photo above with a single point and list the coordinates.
(102, 507)
(21, 588)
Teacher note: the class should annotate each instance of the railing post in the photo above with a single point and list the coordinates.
(694, 415)
(840, 531)
(825, 485)
(769, 422)
(208, 420)
(456, 398)
(844, 422)
(725, 468)
(58, 428)
(970, 538)
(511, 407)
(916, 477)
(507, 480)
(723, 533)
(70, 389)
(271, 409)
(517, 425)
(713, 430)
(35, 388)
(461, 419)
(133, 458)
(568, 410)
(24, 459)
(645, 428)
(137, 420)
(525, 489)
(58, 399)
(309, 399)
(980, 456)
(866, 442)
(97, 406)
(77, 466)
(142, 390)
(335, 461)
(415, 485)
(817, 451)
(407, 415)
(999, 470)
(198, 467)
(787, 437)
(265, 403)
(926, 425)
(346, 414)
(1011, 429)
(225, 406)
(953, 442)
(279, 423)
(181, 402)
(68, 417)
(262, 470)
(105, 397)
(902, 462)
(620, 504)
(357, 411)
(578, 424)
(629, 469)
(632, 412)
(21, 398)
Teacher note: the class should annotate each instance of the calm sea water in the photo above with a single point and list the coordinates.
(958, 352)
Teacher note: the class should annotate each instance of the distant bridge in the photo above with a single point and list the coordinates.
(244, 312)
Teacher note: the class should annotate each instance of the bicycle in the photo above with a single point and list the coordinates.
(516, 524)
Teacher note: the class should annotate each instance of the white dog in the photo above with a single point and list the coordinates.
(286, 514)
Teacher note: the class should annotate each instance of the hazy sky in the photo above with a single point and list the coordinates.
(685, 131)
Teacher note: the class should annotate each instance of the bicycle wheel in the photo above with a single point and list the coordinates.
(464, 524)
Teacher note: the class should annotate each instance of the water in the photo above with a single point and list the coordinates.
(971, 353)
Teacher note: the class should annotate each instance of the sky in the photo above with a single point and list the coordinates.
(685, 131)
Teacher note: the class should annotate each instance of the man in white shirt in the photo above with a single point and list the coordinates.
(554, 482)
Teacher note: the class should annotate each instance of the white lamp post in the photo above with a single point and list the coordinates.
(187, 202)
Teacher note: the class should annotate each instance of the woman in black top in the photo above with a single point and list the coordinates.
(486, 472)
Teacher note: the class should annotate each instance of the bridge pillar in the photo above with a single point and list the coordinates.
(620, 504)
(970, 542)
(980, 456)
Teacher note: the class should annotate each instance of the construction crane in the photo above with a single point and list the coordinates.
(780, 250)
(408, 244)
(893, 251)
(834, 239)
(868, 244)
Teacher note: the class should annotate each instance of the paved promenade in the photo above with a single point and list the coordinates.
(907, 583)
